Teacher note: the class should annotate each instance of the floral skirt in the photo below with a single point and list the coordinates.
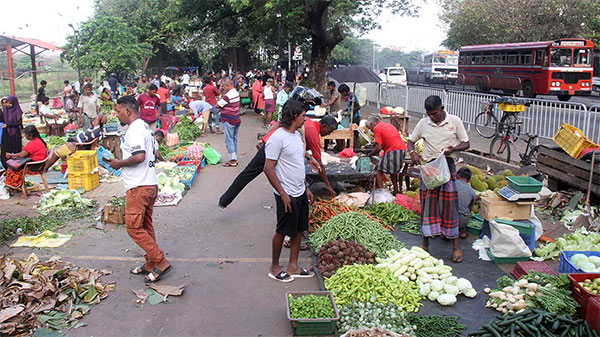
(15, 179)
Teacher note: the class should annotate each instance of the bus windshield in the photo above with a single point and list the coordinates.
(583, 57)
(561, 57)
(445, 59)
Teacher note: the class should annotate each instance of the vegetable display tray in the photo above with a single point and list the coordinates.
(524, 184)
(197, 163)
(581, 295)
(505, 260)
(566, 267)
(312, 327)
(593, 314)
(525, 267)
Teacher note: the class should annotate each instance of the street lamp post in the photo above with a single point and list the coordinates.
(76, 32)
(278, 15)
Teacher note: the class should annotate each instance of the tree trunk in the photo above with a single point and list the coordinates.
(319, 60)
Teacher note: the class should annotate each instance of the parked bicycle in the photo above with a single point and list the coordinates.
(500, 148)
(486, 123)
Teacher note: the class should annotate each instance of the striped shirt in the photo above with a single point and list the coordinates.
(230, 107)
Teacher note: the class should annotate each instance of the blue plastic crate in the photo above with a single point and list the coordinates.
(190, 183)
(566, 267)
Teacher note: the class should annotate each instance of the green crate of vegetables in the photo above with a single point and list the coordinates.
(312, 313)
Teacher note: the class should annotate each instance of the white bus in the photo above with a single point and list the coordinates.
(436, 66)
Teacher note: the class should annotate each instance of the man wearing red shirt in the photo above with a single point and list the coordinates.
(163, 94)
(387, 139)
(210, 96)
(312, 134)
(149, 104)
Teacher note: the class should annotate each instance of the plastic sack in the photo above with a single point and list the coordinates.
(413, 204)
(172, 139)
(435, 173)
(347, 153)
(506, 241)
(382, 195)
(213, 157)
(195, 151)
(358, 199)
(3, 192)
(56, 103)
(102, 153)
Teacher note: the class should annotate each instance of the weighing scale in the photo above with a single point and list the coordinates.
(511, 194)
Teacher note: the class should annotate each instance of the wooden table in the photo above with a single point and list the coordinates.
(399, 122)
(560, 167)
(344, 134)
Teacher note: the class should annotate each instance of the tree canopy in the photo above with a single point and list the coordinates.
(500, 21)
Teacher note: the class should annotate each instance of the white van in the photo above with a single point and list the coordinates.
(396, 75)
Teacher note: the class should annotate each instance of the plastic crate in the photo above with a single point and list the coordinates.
(592, 316)
(526, 227)
(504, 260)
(82, 162)
(524, 184)
(525, 267)
(87, 181)
(566, 267)
(581, 295)
(312, 327)
(572, 140)
(475, 230)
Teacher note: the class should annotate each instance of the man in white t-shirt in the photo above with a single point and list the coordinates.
(285, 170)
(185, 79)
(141, 184)
(200, 112)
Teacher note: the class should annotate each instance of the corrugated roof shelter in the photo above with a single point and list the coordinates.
(27, 47)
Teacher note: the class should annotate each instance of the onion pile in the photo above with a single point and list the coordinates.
(337, 253)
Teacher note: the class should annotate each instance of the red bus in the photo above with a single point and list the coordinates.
(562, 67)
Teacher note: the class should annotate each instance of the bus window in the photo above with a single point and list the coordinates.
(513, 57)
(488, 59)
(561, 57)
(539, 54)
(499, 58)
(526, 59)
(582, 57)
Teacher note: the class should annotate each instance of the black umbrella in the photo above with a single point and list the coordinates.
(354, 74)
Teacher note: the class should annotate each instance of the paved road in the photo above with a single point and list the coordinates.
(227, 299)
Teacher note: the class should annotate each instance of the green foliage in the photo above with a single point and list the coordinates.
(107, 43)
(501, 21)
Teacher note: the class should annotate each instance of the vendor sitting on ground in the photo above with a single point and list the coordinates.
(445, 133)
(466, 199)
(35, 150)
(387, 138)
(159, 137)
(69, 147)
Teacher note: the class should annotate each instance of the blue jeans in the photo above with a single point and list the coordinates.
(215, 116)
(231, 139)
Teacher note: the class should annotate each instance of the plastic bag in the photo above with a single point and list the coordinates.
(3, 192)
(195, 152)
(213, 157)
(382, 195)
(358, 199)
(435, 173)
(506, 241)
(413, 204)
(347, 153)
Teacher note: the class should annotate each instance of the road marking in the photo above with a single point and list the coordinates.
(178, 259)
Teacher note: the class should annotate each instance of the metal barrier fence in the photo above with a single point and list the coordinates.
(542, 117)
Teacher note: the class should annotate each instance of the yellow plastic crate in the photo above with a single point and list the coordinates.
(87, 181)
(511, 107)
(82, 161)
(572, 140)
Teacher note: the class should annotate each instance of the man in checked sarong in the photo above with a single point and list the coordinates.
(440, 131)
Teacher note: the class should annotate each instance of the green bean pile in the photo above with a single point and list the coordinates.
(392, 214)
(353, 226)
(412, 227)
(311, 307)
(436, 326)
(367, 283)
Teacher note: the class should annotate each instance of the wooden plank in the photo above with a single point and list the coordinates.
(345, 134)
(561, 156)
(558, 175)
(569, 169)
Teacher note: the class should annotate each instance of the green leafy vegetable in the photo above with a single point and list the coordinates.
(188, 132)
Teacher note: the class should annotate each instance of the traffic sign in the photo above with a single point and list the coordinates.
(297, 57)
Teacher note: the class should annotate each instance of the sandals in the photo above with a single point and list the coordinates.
(281, 277)
(139, 270)
(457, 256)
(304, 273)
(230, 164)
(151, 278)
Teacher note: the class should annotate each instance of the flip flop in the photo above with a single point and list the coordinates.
(303, 274)
(229, 164)
(281, 277)
(151, 278)
(139, 270)
(457, 258)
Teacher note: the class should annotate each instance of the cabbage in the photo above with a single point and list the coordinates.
(588, 267)
(446, 299)
(576, 241)
(579, 260)
(450, 289)
(595, 260)
(451, 280)
(433, 295)
(437, 285)
(425, 289)
(463, 284)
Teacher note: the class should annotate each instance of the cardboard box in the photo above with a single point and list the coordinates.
(114, 215)
(497, 207)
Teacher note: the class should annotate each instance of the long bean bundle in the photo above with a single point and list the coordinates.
(353, 226)
(436, 326)
(392, 214)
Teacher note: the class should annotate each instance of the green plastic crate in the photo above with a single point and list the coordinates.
(313, 327)
(505, 260)
(524, 184)
(524, 228)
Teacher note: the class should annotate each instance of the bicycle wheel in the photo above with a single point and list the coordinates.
(486, 124)
(512, 122)
(500, 149)
(531, 158)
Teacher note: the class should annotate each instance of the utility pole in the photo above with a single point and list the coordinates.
(278, 15)
(289, 55)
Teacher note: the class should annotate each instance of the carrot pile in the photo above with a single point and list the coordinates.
(323, 210)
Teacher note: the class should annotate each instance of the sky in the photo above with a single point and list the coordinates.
(48, 20)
